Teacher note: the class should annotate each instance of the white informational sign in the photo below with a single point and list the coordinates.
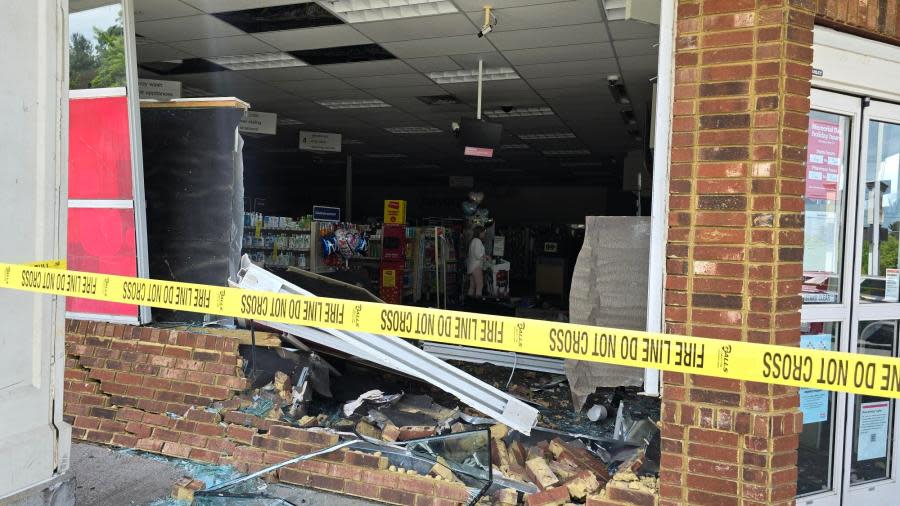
(255, 122)
(873, 430)
(320, 141)
(154, 89)
(814, 403)
(892, 285)
(499, 245)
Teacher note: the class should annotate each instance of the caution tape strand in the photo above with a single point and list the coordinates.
(826, 370)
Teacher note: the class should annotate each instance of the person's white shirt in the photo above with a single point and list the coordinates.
(475, 259)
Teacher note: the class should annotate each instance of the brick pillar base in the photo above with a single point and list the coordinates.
(735, 244)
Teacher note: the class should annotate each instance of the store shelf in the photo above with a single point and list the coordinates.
(280, 250)
(290, 230)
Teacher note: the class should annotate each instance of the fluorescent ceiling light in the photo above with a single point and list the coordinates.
(547, 135)
(414, 130)
(257, 61)
(513, 146)
(566, 152)
(471, 76)
(366, 103)
(386, 155)
(288, 121)
(358, 11)
(519, 112)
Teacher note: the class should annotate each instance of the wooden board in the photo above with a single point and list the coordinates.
(183, 103)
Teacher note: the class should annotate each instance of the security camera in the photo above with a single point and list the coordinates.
(507, 108)
(490, 21)
(454, 127)
(612, 79)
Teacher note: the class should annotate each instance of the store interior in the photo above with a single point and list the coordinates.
(568, 83)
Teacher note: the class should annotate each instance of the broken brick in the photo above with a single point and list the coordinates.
(540, 474)
(550, 497)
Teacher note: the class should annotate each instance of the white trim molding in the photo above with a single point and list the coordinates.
(100, 204)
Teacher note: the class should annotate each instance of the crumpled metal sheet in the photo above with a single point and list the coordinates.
(609, 289)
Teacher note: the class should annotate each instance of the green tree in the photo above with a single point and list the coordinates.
(887, 253)
(82, 62)
(111, 58)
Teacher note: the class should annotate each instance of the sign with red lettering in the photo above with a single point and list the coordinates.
(482, 152)
(823, 164)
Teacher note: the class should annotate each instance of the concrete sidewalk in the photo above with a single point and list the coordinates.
(107, 476)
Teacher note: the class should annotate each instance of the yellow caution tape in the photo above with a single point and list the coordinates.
(827, 370)
(49, 264)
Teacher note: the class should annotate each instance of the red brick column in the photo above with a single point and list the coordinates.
(735, 246)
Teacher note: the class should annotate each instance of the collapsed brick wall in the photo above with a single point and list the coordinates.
(147, 388)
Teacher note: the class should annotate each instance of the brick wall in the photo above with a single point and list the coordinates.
(145, 388)
(735, 242)
(876, 19)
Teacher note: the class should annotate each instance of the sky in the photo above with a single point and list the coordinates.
(84, 22)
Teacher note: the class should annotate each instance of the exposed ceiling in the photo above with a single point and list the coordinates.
(560, 52)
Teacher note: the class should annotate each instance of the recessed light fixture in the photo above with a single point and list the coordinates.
(566, 152)
(366, 103)
(257, 61)
(519, 112)
(546, 136)
(358, 11)
(414, 130)
(288, 121)
(471, 76)
(386, 155)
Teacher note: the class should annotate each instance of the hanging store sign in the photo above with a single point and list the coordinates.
(482, 152)
(325, 213)
(320, 141)
(154, 89)
(255, 122)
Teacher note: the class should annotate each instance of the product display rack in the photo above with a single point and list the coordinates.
(278, 241)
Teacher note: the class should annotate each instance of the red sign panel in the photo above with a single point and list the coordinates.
(102, 240)
(823, 165)
(99, 149)
(482, 152)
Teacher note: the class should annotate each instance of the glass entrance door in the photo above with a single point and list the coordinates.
(851, 295)
(871, 458)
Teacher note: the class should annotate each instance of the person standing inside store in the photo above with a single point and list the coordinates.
(475, 262)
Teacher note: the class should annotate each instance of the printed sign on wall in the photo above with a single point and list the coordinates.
(823, 168)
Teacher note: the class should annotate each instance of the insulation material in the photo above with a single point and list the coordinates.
(193, 177)
(609, 289)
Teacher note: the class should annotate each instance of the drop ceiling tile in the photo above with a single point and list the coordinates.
(462, 44)
(549, 37)
(478, 5)
(646, 63)
(433, 64)
(336, 94)
(632, 29)
(286, 74)
(423, 27)
(531, 124)
(492, 59)
(558, 54)
(490, 88)
(407, 92)
(368, 68)
(570, 68)
(343, 54)
(388, 81)
(573, 12)
(636, 47)
(159, 52)
(185, 66)
(302, 87)
(234, 5)
(545, 83)
(314, 38)
(186, 28)
(146, 10)
(224, 46)
(281, 17)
